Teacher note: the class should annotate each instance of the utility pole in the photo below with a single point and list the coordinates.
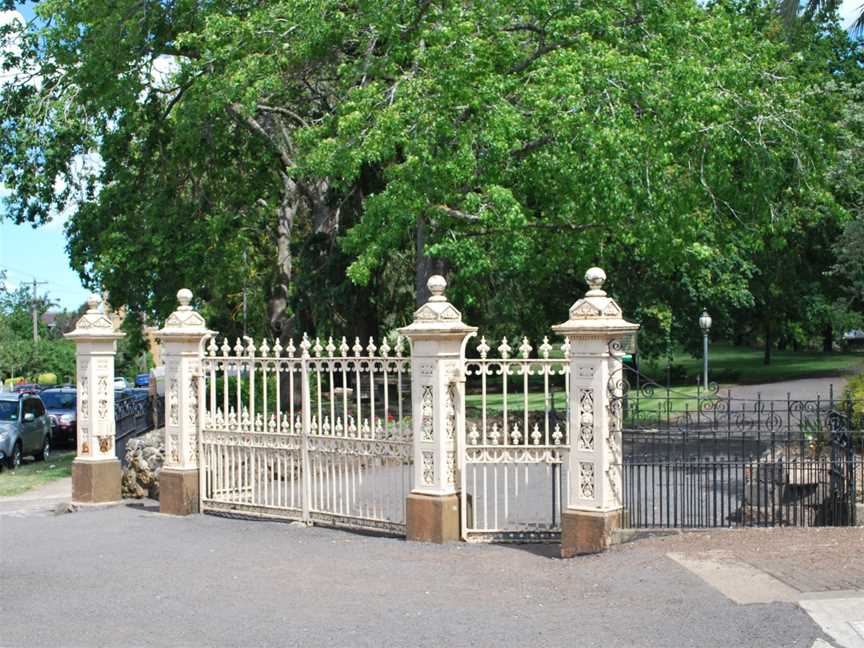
(34, 304)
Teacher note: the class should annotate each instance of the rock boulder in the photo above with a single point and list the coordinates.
(142, 464)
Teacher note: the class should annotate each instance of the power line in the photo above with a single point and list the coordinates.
(41, 280)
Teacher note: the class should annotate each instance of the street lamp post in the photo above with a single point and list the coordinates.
(705, 325)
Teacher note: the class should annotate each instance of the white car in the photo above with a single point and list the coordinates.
(121, 383)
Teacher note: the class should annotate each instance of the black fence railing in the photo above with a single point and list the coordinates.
(700, 458)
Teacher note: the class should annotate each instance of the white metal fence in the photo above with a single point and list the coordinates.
(514, 473)
(317, 433)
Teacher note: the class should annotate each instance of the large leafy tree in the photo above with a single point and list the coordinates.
(511, 144)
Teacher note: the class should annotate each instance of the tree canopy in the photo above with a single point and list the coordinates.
(324, 157)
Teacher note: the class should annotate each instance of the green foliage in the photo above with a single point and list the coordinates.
(694, 150)
(20, 356)
(855, 393)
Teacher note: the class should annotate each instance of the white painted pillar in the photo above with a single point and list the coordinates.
(96, 469)
(181, 341)
(438, 338)
(594, 494)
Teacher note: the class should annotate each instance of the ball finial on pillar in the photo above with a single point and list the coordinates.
(436, 285)
(93, 302)
(595, 278)
(184, 297)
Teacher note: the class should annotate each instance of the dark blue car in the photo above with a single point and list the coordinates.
(60, 404)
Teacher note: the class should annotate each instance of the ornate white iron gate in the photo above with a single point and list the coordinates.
(321, 436)
(514, 470)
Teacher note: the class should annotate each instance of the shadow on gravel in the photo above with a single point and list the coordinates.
(149, 507)
(552, 551)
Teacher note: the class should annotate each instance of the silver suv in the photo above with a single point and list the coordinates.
(24, 428)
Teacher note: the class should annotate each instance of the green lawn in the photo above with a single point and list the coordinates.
(728, 366)
(649, 406)
(35, 473)
(744, 366)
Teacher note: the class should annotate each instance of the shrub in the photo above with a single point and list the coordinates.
(855, 392)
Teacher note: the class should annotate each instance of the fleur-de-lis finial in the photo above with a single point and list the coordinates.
(545, 348)
(483, 348)
(504, 349)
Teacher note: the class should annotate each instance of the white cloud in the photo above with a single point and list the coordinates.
(158, 75)
(11, 44)
(162, 71)
(82, 168)
(849, 12)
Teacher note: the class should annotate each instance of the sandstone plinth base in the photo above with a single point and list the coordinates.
(178, 491)
(433, 518)
(587, 532)
(95, 482)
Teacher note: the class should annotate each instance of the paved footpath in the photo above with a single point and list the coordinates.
(802, 389)
(46, 497)
(819, 569)
(128, 576)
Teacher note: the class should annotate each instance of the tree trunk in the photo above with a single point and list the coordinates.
(769, 341)
(828, 338)
(424, 265)
(278, 310)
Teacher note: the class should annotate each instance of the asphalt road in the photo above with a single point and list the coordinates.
(132, 577)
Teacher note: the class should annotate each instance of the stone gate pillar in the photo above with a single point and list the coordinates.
(96, 469)
(181, 339)
(594, 494)
(438, 338)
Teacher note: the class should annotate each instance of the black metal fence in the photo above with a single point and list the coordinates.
(700, 458)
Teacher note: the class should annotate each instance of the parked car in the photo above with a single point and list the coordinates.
(120, 383)
(142, 380)
(60, 404)
(27, 388)
(24, 428)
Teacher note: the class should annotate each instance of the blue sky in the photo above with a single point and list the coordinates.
(26, 252)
